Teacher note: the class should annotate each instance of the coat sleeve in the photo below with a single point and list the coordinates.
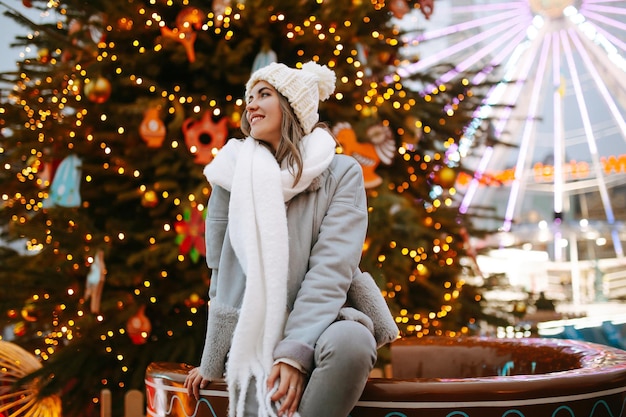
(335, 255)
(216, 223)
(222, 318)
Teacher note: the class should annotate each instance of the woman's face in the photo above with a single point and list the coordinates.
(264, 114)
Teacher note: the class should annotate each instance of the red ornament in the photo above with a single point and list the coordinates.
(139, 327)
(427, 6)
(197, 131)
(399, 8)
(19, 329)
(152, 129)
(188, 19)
(29, 312)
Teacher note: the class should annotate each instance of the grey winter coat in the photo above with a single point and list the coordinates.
(327, 225)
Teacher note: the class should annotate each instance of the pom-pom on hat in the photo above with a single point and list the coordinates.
(304, 88)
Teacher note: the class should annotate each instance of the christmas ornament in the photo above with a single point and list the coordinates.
(369, 155)
(44, 55)
(95, 25)
(29, 312)
(95, 281)
(22, 399)
(19, 329)
(204, 137)
(382, 139)
(386, 58)
(427, 7)
(139, 327)
(98, 90)
(152, 129)
(149, 199)
(65, 188)
(188, 19)
(73, 27)
(190, 238)
(194, 300)
(398, 8)
(445, 177)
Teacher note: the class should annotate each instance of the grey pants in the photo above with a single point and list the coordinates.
(344, 356)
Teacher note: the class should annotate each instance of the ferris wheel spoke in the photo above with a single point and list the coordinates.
(609, 37)
(606, 20)
(587, 126)
(471, 24)
(522, 160)
(604, 9)
(600, 84)
(516, 52)
(558, 134)
(490, 7)
(447, 53)
(474, 58)
(505, 52)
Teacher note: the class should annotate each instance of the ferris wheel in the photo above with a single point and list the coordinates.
(560, 100)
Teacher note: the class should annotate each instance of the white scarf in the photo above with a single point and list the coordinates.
(257, 222)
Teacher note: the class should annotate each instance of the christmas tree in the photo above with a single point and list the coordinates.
(107, 125)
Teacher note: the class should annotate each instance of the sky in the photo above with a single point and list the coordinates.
(9, 29)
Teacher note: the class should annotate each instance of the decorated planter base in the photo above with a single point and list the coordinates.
(443, 377)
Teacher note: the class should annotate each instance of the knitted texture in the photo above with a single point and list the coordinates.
(304, 88)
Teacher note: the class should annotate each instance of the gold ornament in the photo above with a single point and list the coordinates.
(446, 177)
(150, 199)
(98, 90)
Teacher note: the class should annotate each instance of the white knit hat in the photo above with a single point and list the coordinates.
(304, 88)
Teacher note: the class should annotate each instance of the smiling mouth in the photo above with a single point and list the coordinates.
(253, 119)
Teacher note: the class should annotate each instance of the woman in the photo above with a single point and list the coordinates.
(286, 222)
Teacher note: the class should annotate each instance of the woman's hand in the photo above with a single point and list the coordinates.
(194, 382)
(290, 387)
